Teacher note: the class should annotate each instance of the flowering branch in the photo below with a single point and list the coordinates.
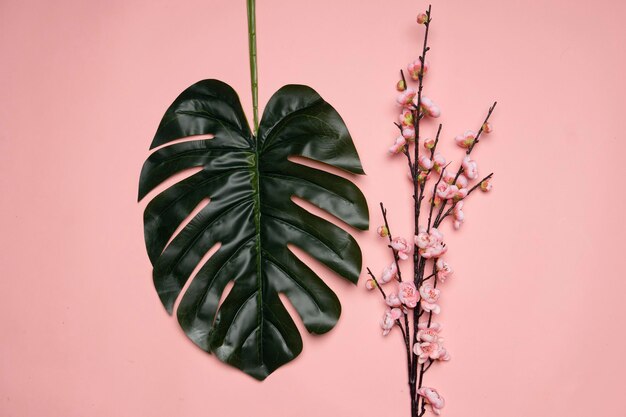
(423, 345)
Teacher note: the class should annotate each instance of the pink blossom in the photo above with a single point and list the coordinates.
(446, 191)
(439, 160)
(430, 108)
(470, 168)
(460, 193)
(398, 145)
(400, 245)
(406, 118)
(443, 190)
(389, 319)
(448, 177)
(461, 182)
(392, 300)
(443, 270)
(459, 216)
(443, 354)
(435, 235)
(422, 18)
(427, 350)
(423, 176)
(425, 162)
(429, 143)
(434, 111)
(382, 231)
(486, 185)
(422, 240)
(434, 251)
(458, 211)
(370, 284)
(409, 133)
(428, 333)
(466, 139)
(408, 294)
(415, 67)
(390, 272)
(432, 398)
(406, 97)
(430, 244)
(430, 295)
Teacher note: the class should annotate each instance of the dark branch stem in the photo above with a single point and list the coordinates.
(418, 190)
(382, 292)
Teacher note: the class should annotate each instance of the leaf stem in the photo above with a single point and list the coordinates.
(254, 80)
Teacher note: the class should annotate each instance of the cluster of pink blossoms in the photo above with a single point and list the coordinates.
(406, 296)
(407, 101)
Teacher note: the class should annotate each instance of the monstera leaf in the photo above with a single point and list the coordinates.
(250, 183)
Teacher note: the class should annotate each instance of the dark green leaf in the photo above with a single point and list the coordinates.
(250, 183)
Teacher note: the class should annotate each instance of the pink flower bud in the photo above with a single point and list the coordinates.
(409, 133)
(401, 85)
(406, 97)
(392, 300)
(487, 128)
(425, 162)
(370, 284)
(461, 182)
(423, 176)
(415, 68)
(458, 211)
(461, 193)
(398, 145)
(429, 143)
(406, 118)
(434, 111)
(389, 319)
(390, 272)
(429, 108)
(439, 160)
(443, 190)
(422, 18)
(470, 168)
(486, 185)
(466, 139)
(382, 231)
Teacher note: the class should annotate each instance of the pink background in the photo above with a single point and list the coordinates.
(534, 315)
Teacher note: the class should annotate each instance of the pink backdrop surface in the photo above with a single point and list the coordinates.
(534, 315)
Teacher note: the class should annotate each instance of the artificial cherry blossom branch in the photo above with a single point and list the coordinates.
(424, 345)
